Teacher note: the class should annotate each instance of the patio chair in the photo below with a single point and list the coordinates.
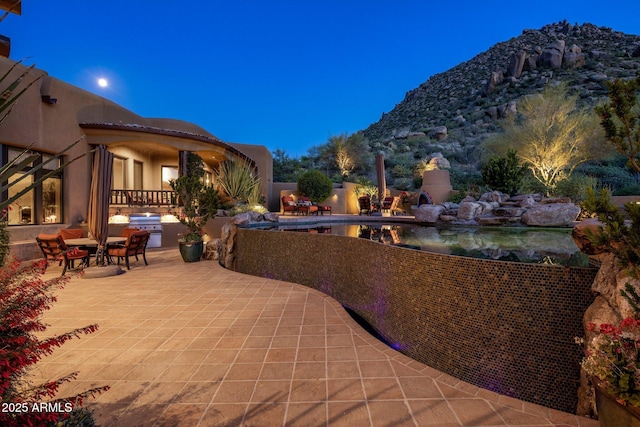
(364, 205)
(135, 245)
(127, 231)
(390, 204)
(289, 205)
(306, 207)
(54, 249)
(71, 233)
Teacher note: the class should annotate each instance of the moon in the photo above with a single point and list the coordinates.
(102, 82)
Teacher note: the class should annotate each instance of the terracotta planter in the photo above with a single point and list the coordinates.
(613, 414)
(191, 251)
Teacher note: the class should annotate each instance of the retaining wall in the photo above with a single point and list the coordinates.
(507, 327)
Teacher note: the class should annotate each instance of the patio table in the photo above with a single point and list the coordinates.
(88, 242)
(92, 244)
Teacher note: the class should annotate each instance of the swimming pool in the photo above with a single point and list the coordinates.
(519, 244)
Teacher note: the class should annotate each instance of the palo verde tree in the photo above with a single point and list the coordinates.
(551, 135)
(620, 119)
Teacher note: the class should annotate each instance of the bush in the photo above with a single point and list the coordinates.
(24, 296)
(504, 174)
(628, 190)
(315, 185)
(402, 184)
(575, 187)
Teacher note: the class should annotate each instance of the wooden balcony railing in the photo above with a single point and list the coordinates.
(143, 197)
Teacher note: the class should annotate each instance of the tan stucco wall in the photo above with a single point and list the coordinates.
(52, 127)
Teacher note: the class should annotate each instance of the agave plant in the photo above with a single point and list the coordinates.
(237, 179)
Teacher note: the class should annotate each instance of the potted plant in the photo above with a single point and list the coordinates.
(198, 202)
(612, 358)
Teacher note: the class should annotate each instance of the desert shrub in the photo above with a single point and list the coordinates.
(315, 185)
(457, 197)
(24, 296)
(238, 180)
(628, 190)
(504, 174)
(402, 184)
(575, 187)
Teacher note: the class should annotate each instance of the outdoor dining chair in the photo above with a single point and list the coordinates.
(135, 245)
(54, 249)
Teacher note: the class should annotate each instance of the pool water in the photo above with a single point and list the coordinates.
(518, 244)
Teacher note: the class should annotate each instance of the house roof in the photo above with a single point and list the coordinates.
(14, 6)
(132, 127)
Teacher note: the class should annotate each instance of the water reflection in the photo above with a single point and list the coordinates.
(519, 244)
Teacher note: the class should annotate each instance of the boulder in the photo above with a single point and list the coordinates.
(579, 235)
(242, 218)
(438, 132)
(551, 56)
(527, 202)
(496, 220)
(271, 217)
(469, 210)
(574, 58)
(552, 215)
(508, 211)
(636, 51)
(494, 196)
(516, 64)
(530, 63)
(496, 78)
(599, 312)
(487, 207)
(551, 200)
(429, 213)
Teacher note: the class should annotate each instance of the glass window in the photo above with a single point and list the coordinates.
(168, 172)
(52, 200)
(21, 210)
(41, 204)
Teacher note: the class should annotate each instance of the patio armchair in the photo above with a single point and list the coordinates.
(390, 204)
(54, 249)
(365, 205)
(71, 233)
(306, 207)
(135, 245)
(289, 205)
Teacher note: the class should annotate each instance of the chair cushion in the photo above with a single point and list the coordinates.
(71, 233)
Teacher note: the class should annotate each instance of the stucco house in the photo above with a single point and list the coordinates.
(52, 114)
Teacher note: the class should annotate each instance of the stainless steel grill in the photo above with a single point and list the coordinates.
(152, 224)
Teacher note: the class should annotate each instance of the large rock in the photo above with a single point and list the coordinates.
(429, 213)
(516, 63)
(552, 215)
(574, 58)
(494, 196)
(579, 235)
(496, 78)
(438, 132)
(469, 210)
(551, 56)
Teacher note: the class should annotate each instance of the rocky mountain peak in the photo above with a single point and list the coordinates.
(462, 105)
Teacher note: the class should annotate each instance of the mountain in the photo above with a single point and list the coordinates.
(456, 110)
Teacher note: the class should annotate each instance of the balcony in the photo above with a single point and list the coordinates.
(143, 198)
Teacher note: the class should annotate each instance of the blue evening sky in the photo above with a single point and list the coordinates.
(281, 73)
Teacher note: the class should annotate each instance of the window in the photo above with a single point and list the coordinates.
(137, 175)
(168, 172)
(42, 204)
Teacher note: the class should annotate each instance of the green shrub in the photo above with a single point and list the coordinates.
(315, 185)
(402, 184)
(628, 190)
(575, 187)
(504, 174)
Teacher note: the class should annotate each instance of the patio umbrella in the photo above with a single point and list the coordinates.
(382, 181)
(98, 215)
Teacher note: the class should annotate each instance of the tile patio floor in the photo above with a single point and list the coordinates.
(197, 345)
